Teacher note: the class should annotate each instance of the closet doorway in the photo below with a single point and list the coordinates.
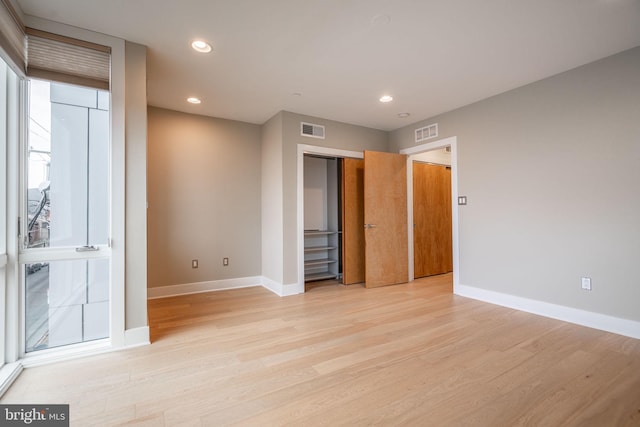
(371, 231)
(321, 241)
(322, 218)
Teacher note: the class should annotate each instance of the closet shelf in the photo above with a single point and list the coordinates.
(314, 262)
(319, 276)
(310, 233)
(319, 248)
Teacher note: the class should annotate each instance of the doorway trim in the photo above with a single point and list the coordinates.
(418, 149)
(321, 151)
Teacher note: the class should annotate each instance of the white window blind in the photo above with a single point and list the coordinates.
(12, 36)
(67, 60)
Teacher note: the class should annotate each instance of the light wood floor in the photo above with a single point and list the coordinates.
(403, 355)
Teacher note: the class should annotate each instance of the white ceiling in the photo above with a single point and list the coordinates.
(342, 55)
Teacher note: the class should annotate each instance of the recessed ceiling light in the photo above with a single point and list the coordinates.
(386, 98)
(201, 46)
(194, 100)
(403, 115)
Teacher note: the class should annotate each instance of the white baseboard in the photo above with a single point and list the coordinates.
(8, 374)
(292, 289)
(194, 288)
(272, 285)
(136, 337)
(281, 289)
(629, 328)
(222, 285)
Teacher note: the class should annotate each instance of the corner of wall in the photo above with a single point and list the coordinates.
(282, 290)
(137, 337)
(135, 188)
(272, 199)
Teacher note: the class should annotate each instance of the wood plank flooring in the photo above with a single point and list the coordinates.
(411, 354)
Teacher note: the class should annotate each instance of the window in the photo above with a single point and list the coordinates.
(60, 220)
(67, 216)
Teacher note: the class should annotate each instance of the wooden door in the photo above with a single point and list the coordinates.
(432, 241)
(353, 257)
(385, 213)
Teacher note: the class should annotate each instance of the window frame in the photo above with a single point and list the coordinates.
(15, 125)
(50, 254)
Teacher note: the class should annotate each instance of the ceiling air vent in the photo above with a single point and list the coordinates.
(427, 132)
(311, 130)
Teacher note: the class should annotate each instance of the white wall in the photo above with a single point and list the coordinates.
(551, 174)
(315, 193)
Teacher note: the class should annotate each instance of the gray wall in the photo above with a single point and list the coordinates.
(551, 174)
(204, 191)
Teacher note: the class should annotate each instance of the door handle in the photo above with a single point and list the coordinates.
(369, 226)
(91, 248)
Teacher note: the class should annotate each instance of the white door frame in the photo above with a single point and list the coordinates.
(411, 152)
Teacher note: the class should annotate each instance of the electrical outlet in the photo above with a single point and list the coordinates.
(225, 262)
(586, 283)
(194, 263)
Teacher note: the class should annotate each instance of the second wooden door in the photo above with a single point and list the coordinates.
(353, 257)
(432, 240)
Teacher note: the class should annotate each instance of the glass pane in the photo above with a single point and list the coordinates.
(68, 159)
(4, 84)
(67, 302)
(8, 124)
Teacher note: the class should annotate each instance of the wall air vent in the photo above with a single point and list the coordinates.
(311, 130)
(427, 132)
